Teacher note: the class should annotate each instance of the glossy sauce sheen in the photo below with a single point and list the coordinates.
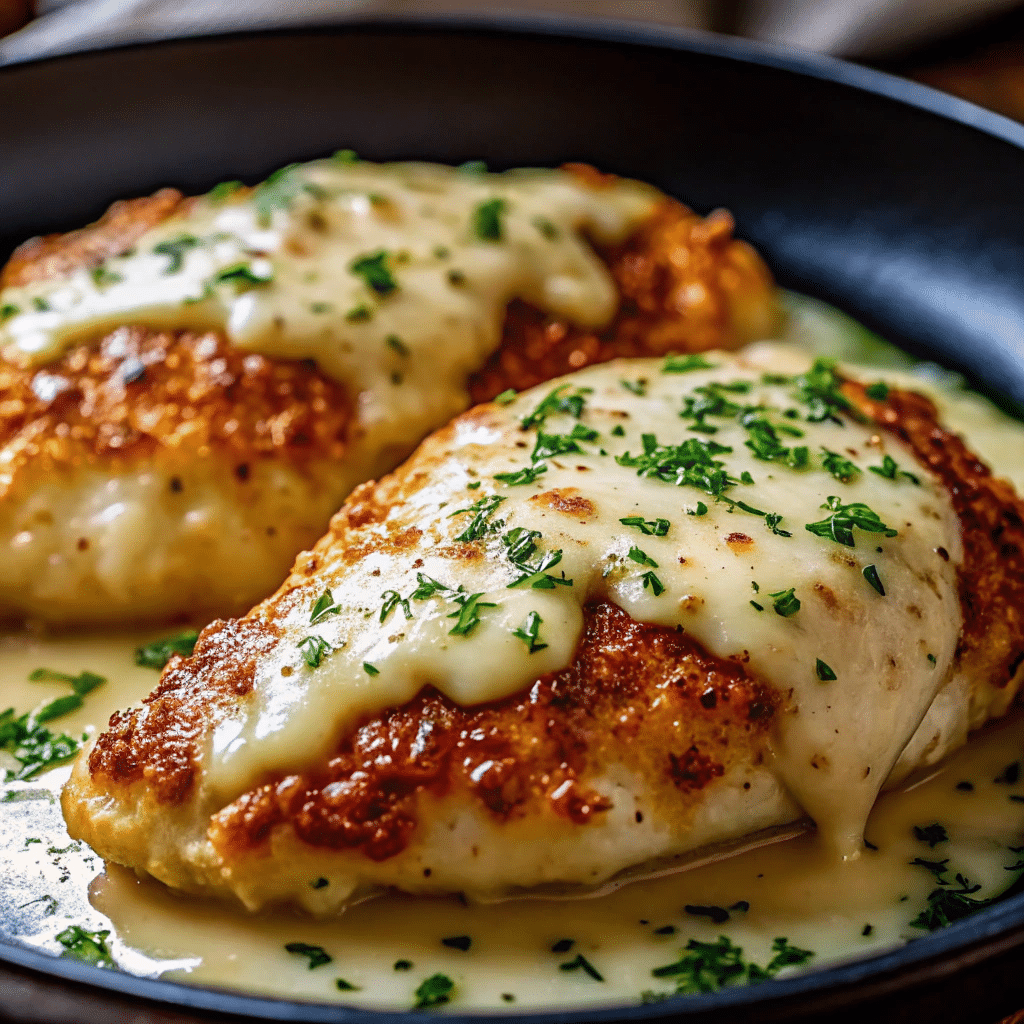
(794, 889)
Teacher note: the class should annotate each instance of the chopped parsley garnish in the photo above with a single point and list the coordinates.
(316, 955)
(558, 401)
(641, 557)
(221, 191)
(33, 745)
(427, 586)
(483, 509)
(656, 586)
(1009, 776)
(931, 834)
(684, 364)
(891, 471)
(746, 478)
(472, 167)
(174, 249)
(40, 305)
(618, 430)
(824, 671)
(521, 476)
(879, 391)
(839, 525)
(785, 602)
(373, 269)
(314, 649)
(487, 220)
(506, 397)
(82, 684)
(692, 463)
(563, 945)
(322, 607)
(870, 573)
(394, 342)
(370, 670)
(359, 314)
(529, 633)
(545, 227)
(819, 389)
(392, 599)
(242, 274)
(104, 278)
(346, 986)
(582, 963)
(90, 947)
(403, 965)
(468, 613)
(932, 659)
(320, 883)
(460, 942)
(320, 307)
(159, 652)
(435, 991)
(345, 157)
(520, 547)
(772, 520)
(759, 607)
(279, 191)
(946, 905)
(648, 527)
(7, 310)
(839, 466)
(636, 387)
(719, 915)
(549, 445)
(710, 966)
(700, 510)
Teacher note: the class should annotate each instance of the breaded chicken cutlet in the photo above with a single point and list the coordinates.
(657, 607)
(190, 387)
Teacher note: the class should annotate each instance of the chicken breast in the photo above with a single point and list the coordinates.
(658, 607)
(190, 387)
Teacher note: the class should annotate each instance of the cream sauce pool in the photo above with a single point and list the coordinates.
(519, 952)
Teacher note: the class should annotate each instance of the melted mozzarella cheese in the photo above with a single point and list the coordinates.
(722, 571)
(394, 278)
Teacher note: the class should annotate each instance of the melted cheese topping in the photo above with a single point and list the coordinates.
(795, 605)
(394, 278)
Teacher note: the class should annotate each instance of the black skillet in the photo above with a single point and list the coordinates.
(898, 204)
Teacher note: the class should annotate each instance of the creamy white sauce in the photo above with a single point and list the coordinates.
(794, 888)
(277, 271)
(837, 740)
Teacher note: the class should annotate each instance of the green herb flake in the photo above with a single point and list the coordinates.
(320, 307)
(546, 228)
(322, 607)
(700, 510)
(104, 278)
(618, 430)
(174, 249)
(563, 945)
(931, 659)
(839, 466)
(648, 527)
(710, 966)
(819, 390)
(635, 387)
(345, 157)
(870, 573)
(879, 391)
(90, 947)
(437, 990)
(316, 955)
(403, 965)
(931, 834)
(459, 942)
(159, 652)
(359, 314)
(373, 269)
(839, 525)
(521, 476)
(320, 883)
(394, 342)
(487, 224)
(370, 670)
(785, 602)
(772, 520)
(685, 364)
(483, 509)
(563, 399)
(314, 649)
(656, 586)
(824, 671)
(223, 190)
(583, 964)
(507, 397)
(7, 310)
(346, 986)
(468, 613)
(947, 904)
(472, 167)
(529, 632)
(392, 600)
(890, 470)
(759, 607)
(641, 557)
(40, 305)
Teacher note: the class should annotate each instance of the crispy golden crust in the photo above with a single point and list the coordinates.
(141, 390)
(686, 285)
(991, 578)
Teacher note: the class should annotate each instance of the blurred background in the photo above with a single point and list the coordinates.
(972, 48)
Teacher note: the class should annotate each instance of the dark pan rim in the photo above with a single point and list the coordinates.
(987, 934)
